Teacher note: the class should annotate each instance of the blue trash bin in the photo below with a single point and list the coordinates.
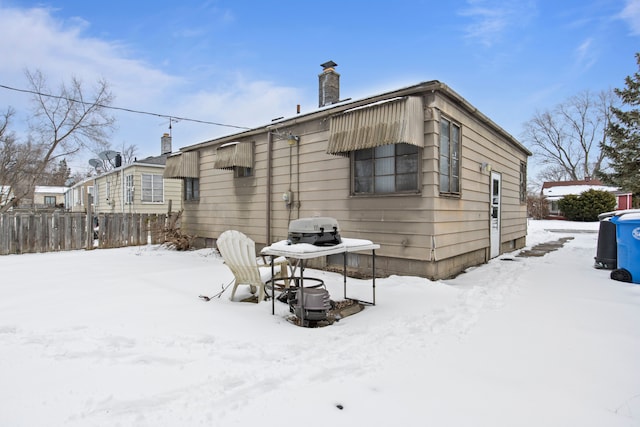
(628, 244)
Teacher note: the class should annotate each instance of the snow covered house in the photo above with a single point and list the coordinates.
(555, 191)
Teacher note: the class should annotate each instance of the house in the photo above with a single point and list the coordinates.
(6, 194)
(554, 191)
(48, 197)
(79, 195)
(418, 170)
(138, 187)
(45, 197)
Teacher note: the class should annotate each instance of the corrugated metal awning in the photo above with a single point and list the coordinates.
(183, 165)
(234, 154)
(396, 121)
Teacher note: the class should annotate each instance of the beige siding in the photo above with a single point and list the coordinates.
(423, 227)
(116, 203)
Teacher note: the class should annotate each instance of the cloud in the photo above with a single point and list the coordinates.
(631, 14)
(586, 54)
(35, 39)
(491, 19)
(243, 102)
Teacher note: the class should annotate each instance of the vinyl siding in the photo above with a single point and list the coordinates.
(420, 227)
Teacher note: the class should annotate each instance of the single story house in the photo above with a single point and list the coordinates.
(554, 191)
(47, 196)
(138, 187)
(419, 170)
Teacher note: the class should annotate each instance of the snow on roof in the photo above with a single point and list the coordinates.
(558, 192)
(50, 189)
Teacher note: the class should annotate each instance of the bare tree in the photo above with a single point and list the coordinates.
(567, 138)
(61, 125)
(129, 153)
(17, 163)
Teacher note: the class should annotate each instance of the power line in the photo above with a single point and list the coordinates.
(128, 110)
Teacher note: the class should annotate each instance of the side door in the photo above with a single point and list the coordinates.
(495, 213)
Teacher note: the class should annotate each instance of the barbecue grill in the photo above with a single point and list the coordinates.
(315, 306)
(319, 231)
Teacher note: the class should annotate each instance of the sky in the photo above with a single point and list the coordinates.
(243, 63)
(119, 337)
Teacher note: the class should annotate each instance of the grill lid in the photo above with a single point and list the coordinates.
(319, 231)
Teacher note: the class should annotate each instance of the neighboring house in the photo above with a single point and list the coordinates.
(45, 197)
(79, 195)
(6, 194)
(138, 187)
(48, 197)
(418, 170)
(553, 192)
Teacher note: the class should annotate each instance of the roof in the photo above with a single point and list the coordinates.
(327, 111)
(557, 190)
(50, 189)
(550, 184)
(153, 160)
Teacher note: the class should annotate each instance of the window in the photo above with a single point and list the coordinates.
(50, 200)
(128, 189)
(96, 200)
(191, 189)
(241, 172)
(386, 169)
(523, 182)
(90, 195)
(449, 157)
(152, 188)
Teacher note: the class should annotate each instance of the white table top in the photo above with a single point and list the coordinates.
(307, 250)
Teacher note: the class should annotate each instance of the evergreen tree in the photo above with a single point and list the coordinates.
(623, 148)
(60, 174)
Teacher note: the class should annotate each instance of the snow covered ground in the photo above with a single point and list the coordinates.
(120, 338)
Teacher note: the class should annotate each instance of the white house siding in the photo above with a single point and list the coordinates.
(172, 190)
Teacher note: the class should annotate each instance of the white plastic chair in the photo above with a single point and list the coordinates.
(239, 253)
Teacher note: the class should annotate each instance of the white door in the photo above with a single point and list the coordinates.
(496, 192)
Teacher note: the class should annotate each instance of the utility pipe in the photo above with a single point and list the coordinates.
(268, 204)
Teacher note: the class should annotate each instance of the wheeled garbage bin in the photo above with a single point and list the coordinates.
(607, 250)
(628, 247)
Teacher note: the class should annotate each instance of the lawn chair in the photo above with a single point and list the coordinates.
(239, 253)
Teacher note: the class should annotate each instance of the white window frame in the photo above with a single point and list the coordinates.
(153, 193)
(128, 189)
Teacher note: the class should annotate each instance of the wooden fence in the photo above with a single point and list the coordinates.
(63, 231)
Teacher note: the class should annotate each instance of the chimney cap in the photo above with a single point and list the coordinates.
(329, 64)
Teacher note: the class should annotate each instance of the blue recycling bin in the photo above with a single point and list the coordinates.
(628, 243)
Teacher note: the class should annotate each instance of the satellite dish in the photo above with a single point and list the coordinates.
(108, 155)
(95, 163)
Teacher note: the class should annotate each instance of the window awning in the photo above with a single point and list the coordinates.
(396, 121)
(234, 154)
(183, 165)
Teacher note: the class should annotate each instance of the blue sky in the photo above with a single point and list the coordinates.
(244, 63)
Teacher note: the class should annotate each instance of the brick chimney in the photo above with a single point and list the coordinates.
(329, 84)
(165, 144)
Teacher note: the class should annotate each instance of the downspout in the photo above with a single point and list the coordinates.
(268, 205)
